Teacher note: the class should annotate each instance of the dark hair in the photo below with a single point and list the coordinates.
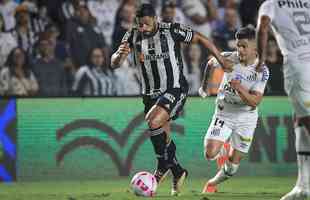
(90, 53)
(247, 32)
(146, 10)
(10, 62)
(167, 4)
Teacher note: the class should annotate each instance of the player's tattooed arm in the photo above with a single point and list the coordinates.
(251, 98)
(225, 63)
(208, 71)
(120, 55)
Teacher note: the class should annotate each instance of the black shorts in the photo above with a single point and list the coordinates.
(172, 101)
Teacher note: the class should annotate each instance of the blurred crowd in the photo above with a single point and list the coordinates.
(63, 47)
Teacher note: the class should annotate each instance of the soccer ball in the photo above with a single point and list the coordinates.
(144, 184)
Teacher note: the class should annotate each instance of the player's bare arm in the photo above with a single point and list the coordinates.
(251, 98)
(199, 38)
(262, 40)
(120, 55)
(208, 71)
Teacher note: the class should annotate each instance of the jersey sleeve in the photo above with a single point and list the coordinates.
(267, 9)
(128, 37)
(262, 82)
(182, 33)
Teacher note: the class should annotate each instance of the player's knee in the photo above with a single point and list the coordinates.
(212, 150)
(154, 124)
(211, 154)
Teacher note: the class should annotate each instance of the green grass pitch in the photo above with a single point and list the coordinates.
(238, 188)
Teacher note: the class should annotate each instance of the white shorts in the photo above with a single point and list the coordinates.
(237, 128)
(297, 87)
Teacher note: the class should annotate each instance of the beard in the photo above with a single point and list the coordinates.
(150, 33)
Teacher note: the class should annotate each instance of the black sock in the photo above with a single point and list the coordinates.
(173, 163)
(158, 139)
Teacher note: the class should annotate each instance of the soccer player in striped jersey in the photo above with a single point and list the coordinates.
(236, 114)
(157, 53)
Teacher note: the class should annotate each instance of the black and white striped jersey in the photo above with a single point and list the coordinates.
(93, 82)
(158, 57)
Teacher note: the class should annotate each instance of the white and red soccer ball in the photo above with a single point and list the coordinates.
(144, 184)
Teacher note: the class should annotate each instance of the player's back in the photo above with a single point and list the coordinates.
(290, 21)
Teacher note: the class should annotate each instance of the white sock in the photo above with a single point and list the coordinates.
(230, 168)
(303, 180)
(303, 158)
(227, 171)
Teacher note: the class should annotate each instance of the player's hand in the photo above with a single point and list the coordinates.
(202, 93)
(124, 49)
(227, 65)
(235, 83)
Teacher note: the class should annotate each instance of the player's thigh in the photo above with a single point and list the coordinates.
(218, 133)
(154, 114)
(301, 104)
(173, 101)
(298, 91)
(242, 136)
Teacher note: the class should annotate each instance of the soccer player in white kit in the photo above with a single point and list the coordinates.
(290, 22)
(236, 114)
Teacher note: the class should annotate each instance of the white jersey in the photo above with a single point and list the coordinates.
(228, 99)
(105, 14)
(290, 20)
(7, 10)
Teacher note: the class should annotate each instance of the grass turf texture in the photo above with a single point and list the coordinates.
(238, 188)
